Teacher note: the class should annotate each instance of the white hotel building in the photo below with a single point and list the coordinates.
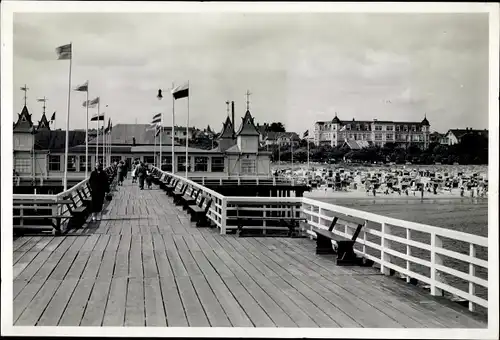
(336, 132)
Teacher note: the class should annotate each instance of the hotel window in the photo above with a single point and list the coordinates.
(378, 136)
(82, 164)
(397, 127)
(72, 163)
(405, 128)
(54, 163)
(22, 165)
(351, 136)
(389, 128)
(348, 127)
(181, 163)
(413, 128)
(247, 166)
(149, 159)
(357, 127)
(415, 138)
(201, 164)
(389, 136)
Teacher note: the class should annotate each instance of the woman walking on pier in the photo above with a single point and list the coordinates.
(100, 186)
(121, 172)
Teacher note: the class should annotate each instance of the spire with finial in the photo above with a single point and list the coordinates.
(227, 107)
(25, 89)
(43, 100)
(248, 99)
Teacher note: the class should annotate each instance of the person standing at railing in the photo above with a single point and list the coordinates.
(100, 187)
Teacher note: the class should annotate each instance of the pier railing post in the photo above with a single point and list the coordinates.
(472, 272)
(385, 257)
(436, 242)
(223, 215)
(408, 253)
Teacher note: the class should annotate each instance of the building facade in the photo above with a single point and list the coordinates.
(38, 152)
(454, 136)
(336, 132)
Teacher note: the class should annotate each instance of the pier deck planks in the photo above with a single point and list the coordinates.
(145, 264)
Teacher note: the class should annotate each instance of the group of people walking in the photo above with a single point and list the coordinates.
(99, 182)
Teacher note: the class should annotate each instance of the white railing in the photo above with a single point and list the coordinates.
(59, 209)
(217, 210)
(396, 242)
(393, 244)
(242, 179)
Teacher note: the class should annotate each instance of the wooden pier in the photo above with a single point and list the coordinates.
(146, 264)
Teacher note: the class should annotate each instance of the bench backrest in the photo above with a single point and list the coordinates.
(348, 220)
(208, 204)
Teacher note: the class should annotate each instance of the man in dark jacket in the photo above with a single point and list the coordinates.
(140, 172)
(100, 186)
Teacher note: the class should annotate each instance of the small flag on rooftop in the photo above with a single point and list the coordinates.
(97, 117)
(83, 87)
(181, 91)
(53, 117)
(41, 100)
(64, 52)
(306, 133)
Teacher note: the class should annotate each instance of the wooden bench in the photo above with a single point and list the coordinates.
(169, 188)
(78, 213)
(345, 247)
(199, 211)
(177, 194)
(190, 199)
(34, 206)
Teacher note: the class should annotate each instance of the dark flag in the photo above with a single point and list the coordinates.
(181, 91)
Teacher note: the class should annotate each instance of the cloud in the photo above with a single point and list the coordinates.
(299, 67)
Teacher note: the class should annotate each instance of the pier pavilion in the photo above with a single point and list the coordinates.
(146, 264)
(39, 152)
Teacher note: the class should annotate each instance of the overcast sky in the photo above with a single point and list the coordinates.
(300, 68)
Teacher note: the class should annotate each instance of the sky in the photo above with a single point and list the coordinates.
(299, 67)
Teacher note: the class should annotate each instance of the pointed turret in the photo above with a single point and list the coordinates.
(247, 127)
(336, 119)
(24, 123)
(425, 122)
(227, 129)
(43, 124)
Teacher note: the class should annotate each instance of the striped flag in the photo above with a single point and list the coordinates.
(53, 117)
(91, 103)
(64, 52)
(306, 133)
(156, 119)
(41, 100)
(108, 129)
(181, 91)
(97, 117)
(83, 87)
(24, 88)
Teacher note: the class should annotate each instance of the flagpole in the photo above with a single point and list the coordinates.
(161, 138)
(87, 135)
(187, 134)
(155, 159)
(173, 131)
(67, 124)
(97, 139)
(103, 139)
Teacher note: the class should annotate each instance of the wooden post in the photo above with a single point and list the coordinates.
(408, 252)
(436, 242)
(385, 258)
(472, 272)
(223, 215)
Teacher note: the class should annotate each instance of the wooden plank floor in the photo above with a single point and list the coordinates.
(145, 264)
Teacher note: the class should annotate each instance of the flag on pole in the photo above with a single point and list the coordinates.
(41, 100)
(181, 91)
(24, 88)
(53, 118)
(306, 133)
(91, 103)
(64, 52)
(97, 117)
(156, 119)
(83, 87)
(108, 128)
